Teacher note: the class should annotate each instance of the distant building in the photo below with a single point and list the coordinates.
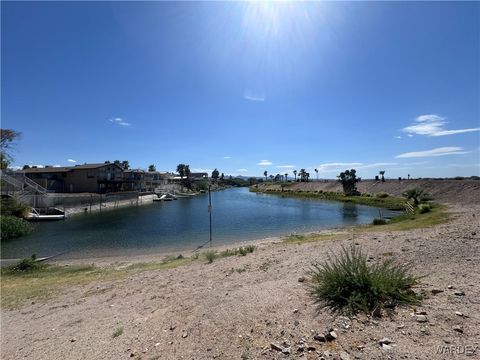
(98, 178)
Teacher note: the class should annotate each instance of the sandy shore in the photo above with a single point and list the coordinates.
(236, 307)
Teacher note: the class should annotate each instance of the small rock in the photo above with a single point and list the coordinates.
(300, 348)
(73, 340)
(458, 328)
(295, 311)
(320, 337)
(450, 287)
(172, 327)
(401, 326)
(385, 340)
(157, 344)
(286, 350)
(436, 291)
(301, 279)
(420, 312)
(184, 335)
(386, 347)
(344, 356)
(327, 353)
(276, 347)
(459, 293)
(296, 322)
(458, 313)
(421, 318)
(311, 348)
(332, 335)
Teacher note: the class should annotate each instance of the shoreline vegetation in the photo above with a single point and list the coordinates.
(382, 200)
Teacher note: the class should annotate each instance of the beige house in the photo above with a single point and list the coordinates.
(98, 178)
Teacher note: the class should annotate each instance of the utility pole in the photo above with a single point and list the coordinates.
(210, 211)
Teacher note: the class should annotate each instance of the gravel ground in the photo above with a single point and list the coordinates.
(237, 307)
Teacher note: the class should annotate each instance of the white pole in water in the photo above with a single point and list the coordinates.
(210, 211)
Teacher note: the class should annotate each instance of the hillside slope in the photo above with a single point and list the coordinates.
(445, 191)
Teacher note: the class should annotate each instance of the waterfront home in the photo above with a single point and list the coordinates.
(134, 180)
(95, 178)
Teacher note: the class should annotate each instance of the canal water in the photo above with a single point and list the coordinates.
(183, 225)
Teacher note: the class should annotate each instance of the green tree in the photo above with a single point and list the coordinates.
(349, 180)
(125, 165)
(295, 173)
(316, 170)
(382, 173)
(265, 173)
(181, 170)
(286, 177)
(152, 168)
(215, 174)
(25, 167)
(303, 175)
(7, 142)
(417, 195)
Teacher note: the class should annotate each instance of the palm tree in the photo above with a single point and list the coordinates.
(302, 175)
(316, 170)
(295, 173)
(265, 173)
(416, 195)
(151, 168)
(382, 172)
(286, 177)
(271, 177)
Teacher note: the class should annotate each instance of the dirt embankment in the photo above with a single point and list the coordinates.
(444, 191)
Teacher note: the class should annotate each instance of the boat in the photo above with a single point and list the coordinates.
(165, 197)
(47, 214)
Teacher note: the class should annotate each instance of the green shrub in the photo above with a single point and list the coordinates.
(382, 195)
(242, 251)
(118, 331)
(378, 221)
(210, 255)
(13, 227)
(424, 208)
(229, 252)
(347, 283)
(11, 207)
(250, 248)
(27, 265)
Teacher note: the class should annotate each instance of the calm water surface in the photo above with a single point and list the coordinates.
(183, 225)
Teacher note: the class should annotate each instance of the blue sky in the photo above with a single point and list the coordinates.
(244, 86)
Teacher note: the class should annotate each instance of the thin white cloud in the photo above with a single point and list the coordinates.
(254, 95)
(227, 157)
(442, 151)
(433, 125)
(375, 165)
(464, 165)
(119, 121)
(71, 161)
(398, 137)
(265, 163)
(335, 167)
(286, 167)
(331, 167)
(199, 170)
(241, 170)
(409, 135)
(57, 165)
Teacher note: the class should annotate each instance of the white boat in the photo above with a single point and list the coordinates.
(46, 214)
(165, 197)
